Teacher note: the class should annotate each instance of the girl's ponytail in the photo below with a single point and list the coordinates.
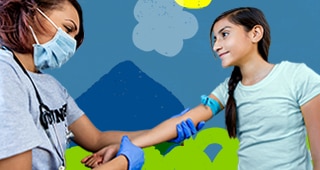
(231, 108)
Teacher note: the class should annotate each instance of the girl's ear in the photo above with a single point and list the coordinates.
(257, 33)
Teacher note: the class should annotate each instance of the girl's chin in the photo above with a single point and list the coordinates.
(225, 65)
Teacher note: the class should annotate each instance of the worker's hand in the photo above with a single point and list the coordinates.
(186, 128)
(133, 153)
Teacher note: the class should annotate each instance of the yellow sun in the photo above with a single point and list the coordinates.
(193, 4)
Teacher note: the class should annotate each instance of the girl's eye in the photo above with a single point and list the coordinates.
(224, 34)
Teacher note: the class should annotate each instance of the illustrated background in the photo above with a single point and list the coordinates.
(146, 60)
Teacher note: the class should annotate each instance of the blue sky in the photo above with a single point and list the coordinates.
(171, 44)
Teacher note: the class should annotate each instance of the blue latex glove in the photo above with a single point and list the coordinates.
(186, 128)
(134, 154)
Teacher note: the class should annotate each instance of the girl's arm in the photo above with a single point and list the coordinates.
(167, 129)
(311, 114)
(129, 157)
(22, 161)
(90, 138)
(184, 130)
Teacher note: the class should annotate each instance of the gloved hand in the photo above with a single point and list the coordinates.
(134, 154)
(186, 128)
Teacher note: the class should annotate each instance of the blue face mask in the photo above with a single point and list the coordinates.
(54, 53)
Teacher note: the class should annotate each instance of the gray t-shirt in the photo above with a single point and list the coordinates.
(270, 125)
(20, 122)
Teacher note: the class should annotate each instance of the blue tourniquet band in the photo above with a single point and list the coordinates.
(214, 105)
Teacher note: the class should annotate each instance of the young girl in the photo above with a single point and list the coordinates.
(270, 108)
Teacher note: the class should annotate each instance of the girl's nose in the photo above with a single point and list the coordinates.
(217, 47)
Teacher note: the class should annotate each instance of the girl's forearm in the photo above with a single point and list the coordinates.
(161, 133)
(114, 137)
(167, 129)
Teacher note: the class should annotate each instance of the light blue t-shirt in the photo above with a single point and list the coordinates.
(270, 125)
(20, 125)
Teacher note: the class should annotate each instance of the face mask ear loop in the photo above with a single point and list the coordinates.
(44, 15)
(34, 35)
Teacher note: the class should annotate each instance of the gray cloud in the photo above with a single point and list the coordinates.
(162, 26)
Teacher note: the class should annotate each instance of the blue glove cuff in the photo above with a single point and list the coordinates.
(214, 105)
(134, 154)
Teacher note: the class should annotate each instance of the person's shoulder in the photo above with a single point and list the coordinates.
(6, 59)
(5, 54)
(225, 81)
(292, 65)
(296, 69)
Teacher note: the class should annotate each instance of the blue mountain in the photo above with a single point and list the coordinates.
(128, 99)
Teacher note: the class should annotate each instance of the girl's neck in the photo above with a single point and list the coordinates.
(255, 71)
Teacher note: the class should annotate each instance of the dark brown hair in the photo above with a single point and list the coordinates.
(248, 17)
(15, 16)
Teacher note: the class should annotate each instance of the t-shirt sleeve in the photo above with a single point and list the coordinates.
(221, 92)
(73, 110)
(18, 130)
(306, 84)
